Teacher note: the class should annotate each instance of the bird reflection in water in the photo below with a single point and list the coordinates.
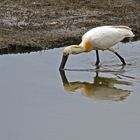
(102, 88)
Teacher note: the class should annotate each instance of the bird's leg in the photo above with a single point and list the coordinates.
(121, 58)
(97, 56)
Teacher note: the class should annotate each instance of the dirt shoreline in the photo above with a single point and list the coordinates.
(29, 24)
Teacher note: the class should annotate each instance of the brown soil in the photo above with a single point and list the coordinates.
(55, 23)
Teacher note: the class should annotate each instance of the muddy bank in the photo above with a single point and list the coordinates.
(55, 23)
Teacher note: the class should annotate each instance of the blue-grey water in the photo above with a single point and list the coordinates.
(83, 102)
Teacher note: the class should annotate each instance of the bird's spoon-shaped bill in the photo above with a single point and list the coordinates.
(63, 62)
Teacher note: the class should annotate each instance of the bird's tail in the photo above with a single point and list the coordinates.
(123, 27)
(129, 33)
(126, 30)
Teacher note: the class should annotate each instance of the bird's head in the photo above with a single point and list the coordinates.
(73, 49)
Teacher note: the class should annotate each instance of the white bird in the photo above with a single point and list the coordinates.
(99, 38)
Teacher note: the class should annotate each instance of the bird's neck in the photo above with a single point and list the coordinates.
(76, 49)
(87, 45)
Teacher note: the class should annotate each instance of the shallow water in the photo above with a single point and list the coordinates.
(83, 102)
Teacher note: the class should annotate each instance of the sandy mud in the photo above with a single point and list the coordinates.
(33, 25)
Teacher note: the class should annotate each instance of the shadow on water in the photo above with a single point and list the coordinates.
(101, 89)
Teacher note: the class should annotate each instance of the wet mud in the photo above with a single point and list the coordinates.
(57, 23)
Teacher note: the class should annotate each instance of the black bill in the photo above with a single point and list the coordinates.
(63, 62)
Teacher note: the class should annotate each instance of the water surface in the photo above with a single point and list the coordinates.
(83, 102)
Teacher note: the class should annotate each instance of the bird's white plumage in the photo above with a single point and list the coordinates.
(99, 38)
(105, 37)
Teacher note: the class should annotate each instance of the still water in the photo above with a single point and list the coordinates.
(37, 102)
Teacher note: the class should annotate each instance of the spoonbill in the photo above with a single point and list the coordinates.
(98, 38)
